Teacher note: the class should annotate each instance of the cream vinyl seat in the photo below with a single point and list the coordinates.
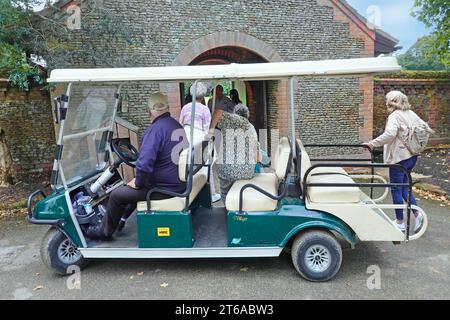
(254, 200)
(178, 203)
(327, 175)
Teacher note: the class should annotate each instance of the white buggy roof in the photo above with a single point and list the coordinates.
(255, 71)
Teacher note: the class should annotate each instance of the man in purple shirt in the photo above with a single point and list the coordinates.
(156, 167)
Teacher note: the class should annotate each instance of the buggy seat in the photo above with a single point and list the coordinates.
(198, 182)
(253, 200)
(326, 175)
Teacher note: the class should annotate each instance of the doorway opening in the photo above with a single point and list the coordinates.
(252, 93)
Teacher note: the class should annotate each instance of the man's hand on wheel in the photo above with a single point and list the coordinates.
(132, 183)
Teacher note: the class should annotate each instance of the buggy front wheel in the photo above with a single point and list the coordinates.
(317, 255)
(59, 253)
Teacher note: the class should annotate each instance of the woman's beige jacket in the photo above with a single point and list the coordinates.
(396, 131)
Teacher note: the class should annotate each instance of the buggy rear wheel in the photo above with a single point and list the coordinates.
(316, 255)
(59, 253)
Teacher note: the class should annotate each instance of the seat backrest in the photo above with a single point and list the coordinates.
(305, 163)
(183, 162)
(282, 160)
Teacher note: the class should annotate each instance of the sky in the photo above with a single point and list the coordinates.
(395, 19)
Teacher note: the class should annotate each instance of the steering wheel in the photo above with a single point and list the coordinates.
(126, 152)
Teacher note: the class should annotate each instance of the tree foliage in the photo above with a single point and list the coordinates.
(419, 57)
(15, 47)
(436, 14)
(28, 37)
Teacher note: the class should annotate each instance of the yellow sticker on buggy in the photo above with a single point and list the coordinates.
(163, 232)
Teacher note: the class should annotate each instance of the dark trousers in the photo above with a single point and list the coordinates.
(400, 194)
(123, 202)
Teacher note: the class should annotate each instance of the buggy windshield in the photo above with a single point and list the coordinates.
(90, 116)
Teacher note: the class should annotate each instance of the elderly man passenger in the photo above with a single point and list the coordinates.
(154, 168)
(395, 151)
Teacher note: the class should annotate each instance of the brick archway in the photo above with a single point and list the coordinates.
(226, 39)
(213, 48)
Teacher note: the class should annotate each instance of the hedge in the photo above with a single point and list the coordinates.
(430, 75)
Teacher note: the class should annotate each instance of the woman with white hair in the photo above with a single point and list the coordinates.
(401, 119)
(202, 118)
(202, 121)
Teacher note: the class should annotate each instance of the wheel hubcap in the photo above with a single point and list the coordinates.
(68, 253)
(317, 258)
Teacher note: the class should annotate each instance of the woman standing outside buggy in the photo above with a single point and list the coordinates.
(393, 139)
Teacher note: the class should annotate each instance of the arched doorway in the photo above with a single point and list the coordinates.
(252, 93)
(238, 47)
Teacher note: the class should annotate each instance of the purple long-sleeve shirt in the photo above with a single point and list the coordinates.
(155, 166)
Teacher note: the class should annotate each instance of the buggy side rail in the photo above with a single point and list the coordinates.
(264, 192)
(285, 183)
(353, 146)
(373, 166)
(191, 170)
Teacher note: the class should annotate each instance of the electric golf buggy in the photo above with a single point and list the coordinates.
(309, 206)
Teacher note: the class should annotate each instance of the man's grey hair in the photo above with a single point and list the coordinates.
(397, 100)
(201, 91)
(158, 102)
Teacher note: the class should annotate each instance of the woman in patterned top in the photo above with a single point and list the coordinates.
(238, 154)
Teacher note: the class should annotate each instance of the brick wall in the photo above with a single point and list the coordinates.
(329, 110)
(26, 118)
(430, 99)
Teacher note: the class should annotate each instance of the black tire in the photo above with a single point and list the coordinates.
(324, 251)
(52, 246)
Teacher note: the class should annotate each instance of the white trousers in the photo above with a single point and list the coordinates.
(199, 136)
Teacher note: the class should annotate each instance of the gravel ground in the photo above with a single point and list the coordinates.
(435, 163)
(416, 270)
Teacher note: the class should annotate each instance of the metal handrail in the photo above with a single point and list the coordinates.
(190, 172)
(356, 146)
(287, 177)
(372, 185)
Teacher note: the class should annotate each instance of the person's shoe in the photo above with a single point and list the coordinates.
(419, 222)
(400, 226)
(121, 224)
(96, 233)
(215, 197)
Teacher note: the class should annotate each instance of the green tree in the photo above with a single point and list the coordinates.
(27, 36)
(31, 41)
(418, 57)
(15, 46)
(436, 14)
